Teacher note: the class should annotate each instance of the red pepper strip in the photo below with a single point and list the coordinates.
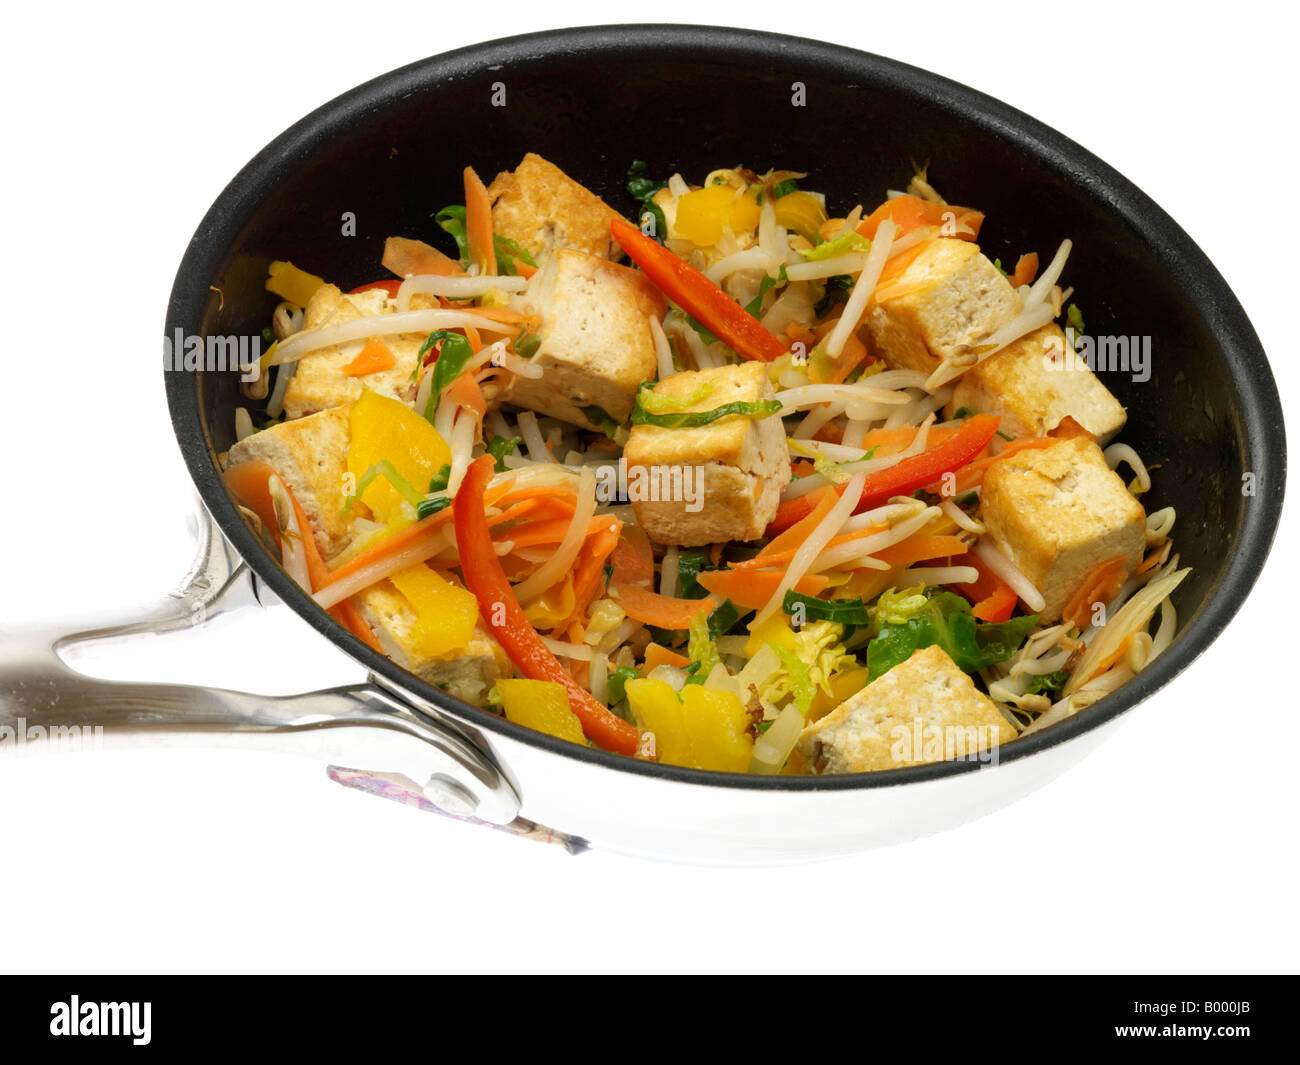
(698, 296)
(906, 477)
(390, 287)
(991, 597)
(503, 614)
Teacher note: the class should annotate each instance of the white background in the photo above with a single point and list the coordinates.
(1171, 849)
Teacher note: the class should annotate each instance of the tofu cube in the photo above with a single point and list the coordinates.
(922, 710)
(596, 346)
(540, 207)
(310, 455)
(961, 297)
(1059, 511)
(467, 674)
(319, 381)
(1034, 384)
(733, 469)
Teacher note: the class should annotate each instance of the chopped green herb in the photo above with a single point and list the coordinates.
(385, 469)
(755, 306)
(945, 619)
(837, 290)
(844, 611)
(508, 253)
(526, 345)
(1048, 682)
(438, 482)
(693, 419)
(501, 446)
(618, 681)
(452, 221)
(643, 189)
(724, 618)
(841, 245)
(784, 188)
(452, 357)
(429, 507)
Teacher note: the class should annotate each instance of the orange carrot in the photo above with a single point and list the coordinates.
(912, 212)
(1026, 270)
(466, 391)
(249, 481)
(789, 541)
(972, 475)
(478, 224)
(405, 257)
(375, 357)
(633, 559)
(751, 589)
(1098, 586)
(589, 570)
(657, 655)
(507, 315)
(549, 532)
(661, 611)
(1068, 429)
(921, 549)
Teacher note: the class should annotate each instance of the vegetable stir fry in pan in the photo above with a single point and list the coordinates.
(730, 484)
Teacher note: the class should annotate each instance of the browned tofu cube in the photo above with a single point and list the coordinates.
(1034, 383)
(542, 208)
(596, 347)
(922, 710)
(737, 466)
(310, 454)
(958, 299)
(1057, 513)
(320, 381)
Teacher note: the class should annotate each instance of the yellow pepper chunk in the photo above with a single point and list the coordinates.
(775, 629)
(802, 212)
(291, 284)
(553, 606)
(385, 428)
(719, 729)
(701, 729)
(657, 709)
(542, 705)
(445, 615)
(844, 685)
(702, 214)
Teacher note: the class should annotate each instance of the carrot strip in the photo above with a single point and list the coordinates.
(249, 482)
(911, 212)
(789, 541)
(549, 532)
(589, 571)
(972, 476)
(661, 611)
(478, 223)
(1026, 270)
(751, 589)
(921, 549)
(405, 257)
(375, 357)
(633, 558)
(1098, 586)
(658, 655)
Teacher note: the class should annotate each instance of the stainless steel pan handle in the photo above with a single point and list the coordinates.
(44, 700)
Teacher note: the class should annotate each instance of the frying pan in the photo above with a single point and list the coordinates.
(685, 99)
